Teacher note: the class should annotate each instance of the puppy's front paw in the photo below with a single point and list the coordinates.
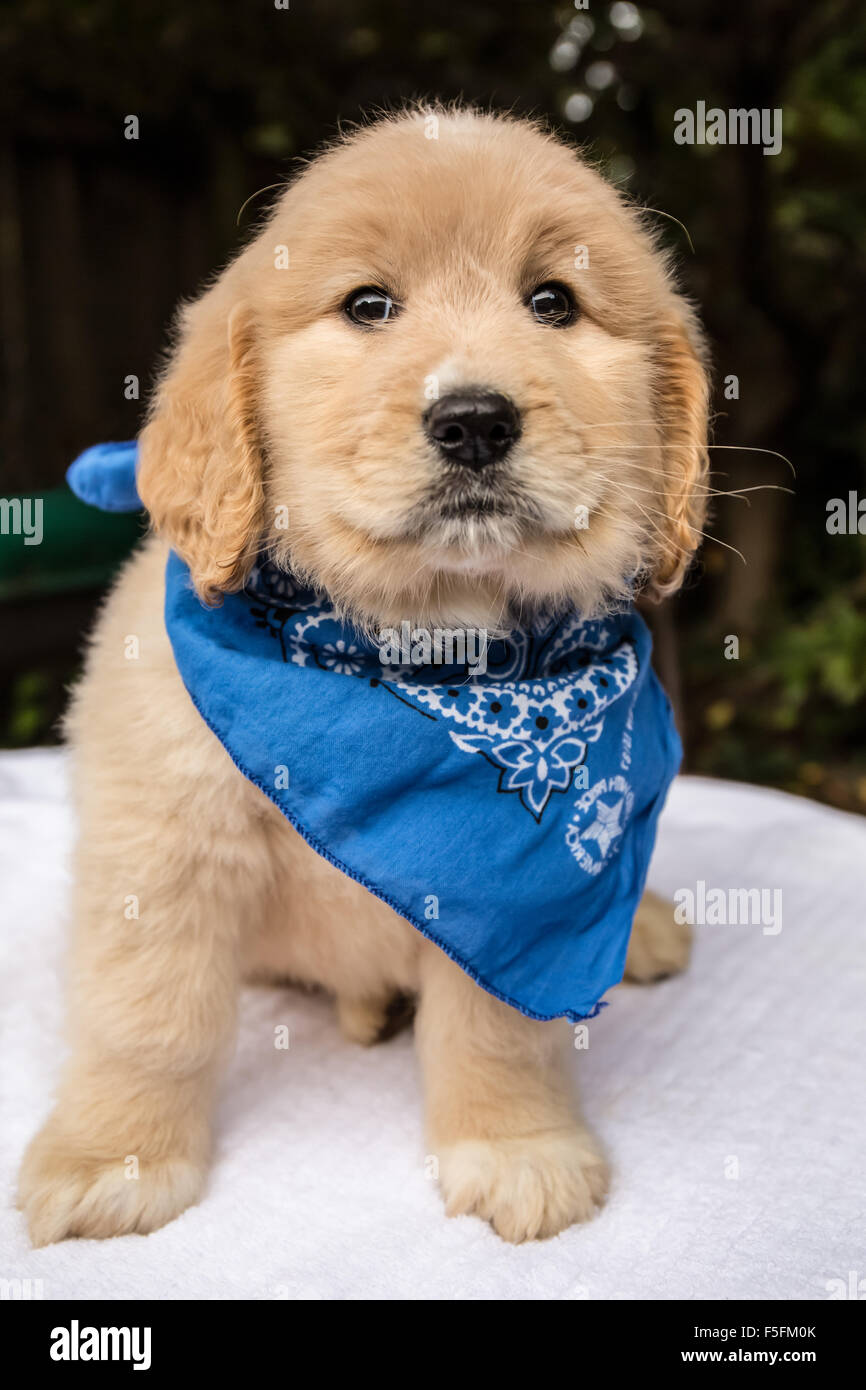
(659, 944)
(527, 1188)
(67, 1193)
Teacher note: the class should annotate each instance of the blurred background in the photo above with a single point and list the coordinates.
(100, 235)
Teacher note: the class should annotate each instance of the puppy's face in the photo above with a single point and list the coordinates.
(449, 380)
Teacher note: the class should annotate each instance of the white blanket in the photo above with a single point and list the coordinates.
(730, 1100)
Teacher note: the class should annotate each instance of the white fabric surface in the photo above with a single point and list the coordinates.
(318, 1188)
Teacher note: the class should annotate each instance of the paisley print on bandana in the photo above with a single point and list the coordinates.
(534, 726)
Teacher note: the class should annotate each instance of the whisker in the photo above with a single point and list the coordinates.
(700, 487)
(648, 468)
(641, 508)
(266, 189)
(696, 529)
(743, 448)
(753, 449)
(537, 558)
(658, 212)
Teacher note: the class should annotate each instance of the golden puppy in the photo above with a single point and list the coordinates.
(432, 255)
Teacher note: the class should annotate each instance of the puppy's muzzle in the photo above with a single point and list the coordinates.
(473, 428)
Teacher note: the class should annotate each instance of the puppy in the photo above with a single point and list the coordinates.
(430, 255)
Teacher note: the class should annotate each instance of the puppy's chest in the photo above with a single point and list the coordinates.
(321, 927)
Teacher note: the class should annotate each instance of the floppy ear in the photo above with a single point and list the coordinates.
(682, 403)
(200, 468)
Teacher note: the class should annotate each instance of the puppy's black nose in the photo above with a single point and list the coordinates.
(473, 427)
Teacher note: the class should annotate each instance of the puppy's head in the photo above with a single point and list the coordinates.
(448, 380)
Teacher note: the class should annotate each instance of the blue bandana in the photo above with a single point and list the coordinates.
(509, 816)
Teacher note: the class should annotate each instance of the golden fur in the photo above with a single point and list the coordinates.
(275, 407)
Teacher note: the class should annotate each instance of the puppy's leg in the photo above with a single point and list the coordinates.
(126, 1146)
(368, 1021)
(502, 1119)
(659, 944)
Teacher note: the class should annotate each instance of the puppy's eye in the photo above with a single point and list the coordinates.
(553, 304)
(369, 306)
